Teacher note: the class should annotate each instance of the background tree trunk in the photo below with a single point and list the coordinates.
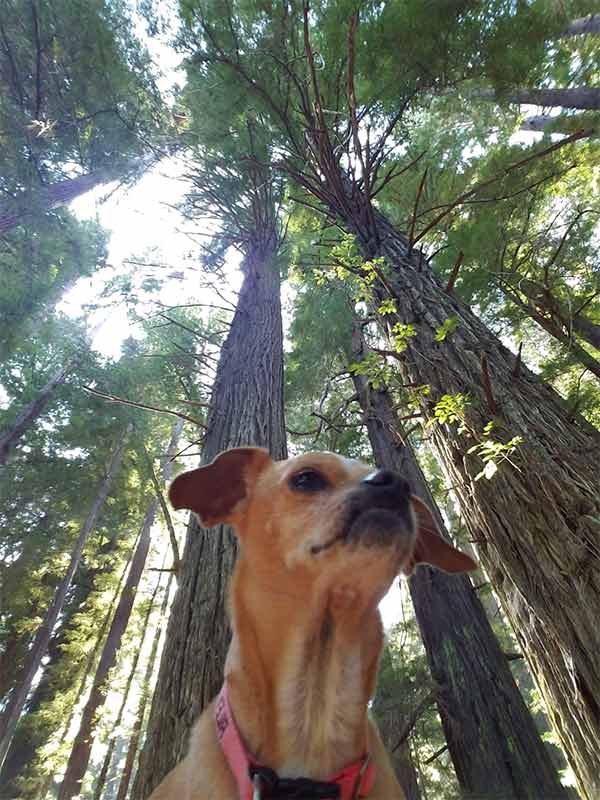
(535, 522)
(145, 692)
(494, 744)
(84, 740)
(583, 25)
(582, 97)
(246, 409)
(13, 710)
(30, 413)
(48, 197)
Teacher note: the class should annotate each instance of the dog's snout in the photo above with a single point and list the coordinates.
(386, 479)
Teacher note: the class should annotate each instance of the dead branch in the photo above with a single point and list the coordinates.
(487, 385)
(454, 274)
(414, 216)
(517, 369)
(506, 171)
(166, 514)
(418, 710)
(437, 754)
(111, 398)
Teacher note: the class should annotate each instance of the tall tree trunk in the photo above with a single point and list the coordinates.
(48, 197)
(136, 732)
(32, 733)
(13, 710)
(494, 744)
(582, 97)
(44, 788)
(246, 409)
(583, 25)
(536, 521)
(30, 413)
(84, 740)
(101, 780)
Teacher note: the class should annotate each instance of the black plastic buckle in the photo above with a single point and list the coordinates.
(272, 787)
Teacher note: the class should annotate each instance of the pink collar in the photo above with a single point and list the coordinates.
(355, 781)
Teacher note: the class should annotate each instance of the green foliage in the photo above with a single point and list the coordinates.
(493, 453)
(447, 327)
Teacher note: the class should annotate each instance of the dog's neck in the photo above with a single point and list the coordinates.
(300, 677)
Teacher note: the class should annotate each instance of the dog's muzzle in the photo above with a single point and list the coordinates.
(378, 513)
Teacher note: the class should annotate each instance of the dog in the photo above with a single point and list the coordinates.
(321, 540)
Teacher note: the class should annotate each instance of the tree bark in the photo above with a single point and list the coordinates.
(30, 413)
(14, 707)
(536, 521)
(84, 740)
(582, 26)
(494, 744)
(246, 409)
(582, 97)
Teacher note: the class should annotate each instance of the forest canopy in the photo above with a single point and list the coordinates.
(365, 228)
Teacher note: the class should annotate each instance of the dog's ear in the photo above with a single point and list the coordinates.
(215, 490)
(431, 548)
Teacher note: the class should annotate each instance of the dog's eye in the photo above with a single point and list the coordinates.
(308, 480)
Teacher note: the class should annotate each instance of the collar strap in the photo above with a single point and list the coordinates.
(354, 781)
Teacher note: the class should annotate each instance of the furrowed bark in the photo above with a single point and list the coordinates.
(246, 409)
(536, 521)
(84, 740)
(494, 744)
(13, 710)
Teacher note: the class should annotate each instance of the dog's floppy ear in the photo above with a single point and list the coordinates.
(431, 548)
(215, 490)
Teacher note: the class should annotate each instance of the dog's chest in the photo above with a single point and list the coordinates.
(321, 702)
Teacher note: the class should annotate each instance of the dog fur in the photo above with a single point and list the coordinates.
(317, 554)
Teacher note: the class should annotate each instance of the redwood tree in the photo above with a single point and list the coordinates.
(493, 742)
(536, 520)
(246, 408)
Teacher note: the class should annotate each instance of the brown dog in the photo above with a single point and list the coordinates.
(322, 538)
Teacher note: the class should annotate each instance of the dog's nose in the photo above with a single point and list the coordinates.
(386, 479)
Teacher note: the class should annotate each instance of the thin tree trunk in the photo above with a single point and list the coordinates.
(145, 696)
(84, 740)
(13, 710)
(89, 664)
(563, 124)
(30, 413)
(558, 329)
(582, 97)
(246, 409)
(547, 304)
(59, 673)
(494, 744)
(101, 780)
(49, 197)
(536, 521)
(582, 26)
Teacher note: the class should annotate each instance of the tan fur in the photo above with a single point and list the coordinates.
(307, 633)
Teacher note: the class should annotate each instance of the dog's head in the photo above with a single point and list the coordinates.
(317, 512)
